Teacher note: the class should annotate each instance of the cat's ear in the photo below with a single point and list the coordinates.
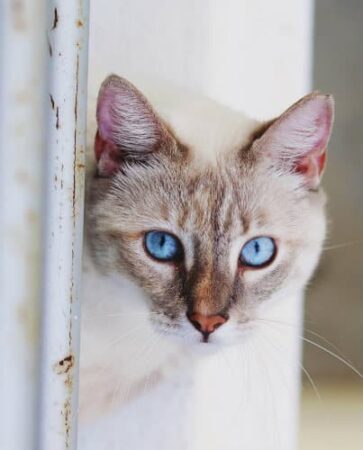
(298, 139)
(128, 127)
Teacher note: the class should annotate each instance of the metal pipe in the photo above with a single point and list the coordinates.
(67, 35)
(22, 82)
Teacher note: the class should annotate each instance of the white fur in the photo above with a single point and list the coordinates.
(242, 397)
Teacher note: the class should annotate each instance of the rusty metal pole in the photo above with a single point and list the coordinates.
(22, 83)
(67, 35)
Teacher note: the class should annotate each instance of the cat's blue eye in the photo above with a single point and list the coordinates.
(163, 246)
(258, 252)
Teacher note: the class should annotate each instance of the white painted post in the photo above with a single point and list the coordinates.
(22, 81)
(66, 120)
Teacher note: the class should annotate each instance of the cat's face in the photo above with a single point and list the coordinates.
(210, 243)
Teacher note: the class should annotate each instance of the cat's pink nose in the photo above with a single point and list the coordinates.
(206, 324)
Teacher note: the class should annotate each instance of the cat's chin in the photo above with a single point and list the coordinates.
(192, 341)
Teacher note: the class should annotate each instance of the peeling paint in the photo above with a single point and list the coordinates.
(51, 101)
(57, 125)
(50, 48)
(55, 18)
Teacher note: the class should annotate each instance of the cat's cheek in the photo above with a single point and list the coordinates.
(305, 264)
(251, 276)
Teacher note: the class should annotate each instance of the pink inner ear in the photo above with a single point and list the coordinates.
(105, 120)
(323, 124)
(299, 138)
(128, 127)
(107, 156)
(312, 166)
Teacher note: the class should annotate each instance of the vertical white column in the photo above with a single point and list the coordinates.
(21, 155)
(252, 55)
(67, 35)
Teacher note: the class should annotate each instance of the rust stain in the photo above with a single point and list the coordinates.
(67, 415)
(23, 96)
(75, 154)
(68, 363)
(64, 366)
(18, 14)
(55, 19)
(79, 23)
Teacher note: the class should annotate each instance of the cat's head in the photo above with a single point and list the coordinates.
(209, 241)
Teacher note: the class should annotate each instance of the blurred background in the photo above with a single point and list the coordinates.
(334, 307)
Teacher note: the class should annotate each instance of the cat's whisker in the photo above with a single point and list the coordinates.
(307, 330)
(342, 245)
(334, 355)
(127, 314)
(242, 387)
(151, 373)
(119, 340)
(145, 349)
(258, 349)
(119, 314)
(272, 400)
(278, 322)
(305, 371)
(123, 336)
(322, 348)
(312, 383)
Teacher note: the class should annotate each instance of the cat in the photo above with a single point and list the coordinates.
(203, 227)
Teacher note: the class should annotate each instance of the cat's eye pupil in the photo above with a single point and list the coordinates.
(258, 252)
(162, 246)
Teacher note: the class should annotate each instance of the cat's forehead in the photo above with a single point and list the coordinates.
(235, 198)
(229, 198)
(208, 129)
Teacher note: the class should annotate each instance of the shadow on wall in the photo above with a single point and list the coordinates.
(335, 304)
